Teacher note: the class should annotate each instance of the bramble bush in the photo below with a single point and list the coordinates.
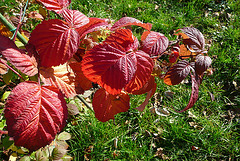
(70, 54)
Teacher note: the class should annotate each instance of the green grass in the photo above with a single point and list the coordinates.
(141, 134)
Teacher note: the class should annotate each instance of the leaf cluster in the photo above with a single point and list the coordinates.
(69, 54)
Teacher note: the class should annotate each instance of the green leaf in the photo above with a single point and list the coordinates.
(2, 124)
(64, 136)
(66, 158)
(5, 95)
(40, 156)
(7, 77)
(58, 153)
(6, 143)
(72, 109)
(25, 158)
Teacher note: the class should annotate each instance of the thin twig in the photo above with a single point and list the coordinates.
(18, 26)
(84, 102)
(12, 69)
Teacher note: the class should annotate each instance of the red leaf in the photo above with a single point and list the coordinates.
(74, 18)
(55, 42)
(128, 21)
(55, 5)
(35, 15)
(106, 105)
(202, 63)
(124, 38)
(63, 78)
(173, 57)
(194, 94)
(82, 82)
(155, 44)
(143, 72)
(35, 114)
(17, 57)
(185, 53)
(146, 88)
(145, 34)
(110, 67)
(149, 95)
(94, 24)
(196, 39)
(177, 73)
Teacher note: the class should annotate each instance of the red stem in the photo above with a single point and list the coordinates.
(18, 26)
(12, 69)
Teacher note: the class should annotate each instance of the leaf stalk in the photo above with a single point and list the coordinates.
(12, 29)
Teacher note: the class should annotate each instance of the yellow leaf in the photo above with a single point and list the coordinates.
(5, 31)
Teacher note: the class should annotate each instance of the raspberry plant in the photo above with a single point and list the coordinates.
(71, 53)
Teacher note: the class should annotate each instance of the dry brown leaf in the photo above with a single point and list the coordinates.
(3, 67)
(63, 78)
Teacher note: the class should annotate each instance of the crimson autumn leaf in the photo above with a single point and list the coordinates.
(145, 34)
(196, 39)
(194, 94)
(174, 53)
(81, 81)
(124, 38)
(146, 88)
(128, 21)
(55, 5)
(17, 57)
(202, 63)
(150, 93)
(63, 78)
(55, 42)
(110, 67)
(35, 114)
(177, 73)
(94, 24)
(143, 72)
(74, 18)
(155, 44)
(106, 105)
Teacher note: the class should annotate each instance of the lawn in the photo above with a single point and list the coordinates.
(208, 131)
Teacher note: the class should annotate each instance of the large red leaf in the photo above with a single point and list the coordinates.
(74, 18)
(110, 67)
(25, 63)
(106, 105)
(202, 63)
(55, 42)
(94, 24)
(124, 38)
(194, 94)
(155, 44)
(143, 72)
(177, 73)
(196, 39)
(35, 114)
(128, 21)
(55, 5)
(63, 78)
